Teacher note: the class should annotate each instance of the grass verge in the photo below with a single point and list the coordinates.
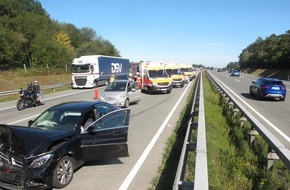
(233, 162)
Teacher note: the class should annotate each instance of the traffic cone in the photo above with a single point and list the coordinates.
(96, 93)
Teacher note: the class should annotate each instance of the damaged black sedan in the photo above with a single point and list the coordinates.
(45, 154)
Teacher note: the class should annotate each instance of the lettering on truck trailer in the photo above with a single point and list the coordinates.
(116, 67)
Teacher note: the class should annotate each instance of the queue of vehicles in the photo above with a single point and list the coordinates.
(162, 76)
(45, 153)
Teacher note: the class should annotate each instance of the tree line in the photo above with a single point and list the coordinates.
(29, 36)
(273, 52)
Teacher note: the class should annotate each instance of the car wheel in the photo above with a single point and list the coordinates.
(251, 93)
(126, 104)
(259, 97)
(20, 105)
(150, 91)
(63, 173)
(283, 99)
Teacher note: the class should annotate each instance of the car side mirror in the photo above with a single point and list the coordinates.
(91, 130)
(30, 123)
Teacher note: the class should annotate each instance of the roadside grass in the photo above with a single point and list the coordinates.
(13, 80)
(224, 166)
(233, 162)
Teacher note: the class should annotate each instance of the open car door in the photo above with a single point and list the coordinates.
(107, 136)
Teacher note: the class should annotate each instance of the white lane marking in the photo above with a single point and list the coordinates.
(144, 155)
(238, 80)
(48, 99)
(256, 112)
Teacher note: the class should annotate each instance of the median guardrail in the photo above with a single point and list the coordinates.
(201, 172)
(277, 149)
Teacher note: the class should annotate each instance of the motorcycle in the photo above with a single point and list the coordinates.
(26, 100)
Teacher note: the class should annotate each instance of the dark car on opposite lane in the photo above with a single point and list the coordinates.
(268, 88)
(45, 154)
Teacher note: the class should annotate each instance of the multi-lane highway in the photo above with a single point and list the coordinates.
(273, 114)
(151, 123)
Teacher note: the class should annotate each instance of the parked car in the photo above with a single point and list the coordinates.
(121, 93)
(45, 154)
(268, 88)
(235, 73)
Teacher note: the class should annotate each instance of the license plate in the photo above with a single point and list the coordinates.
(275, 88)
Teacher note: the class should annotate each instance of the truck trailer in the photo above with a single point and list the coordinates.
(91, 71)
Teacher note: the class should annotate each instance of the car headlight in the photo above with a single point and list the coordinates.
(40, 161)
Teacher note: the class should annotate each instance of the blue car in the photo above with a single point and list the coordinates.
(235, 73)
(268, 88)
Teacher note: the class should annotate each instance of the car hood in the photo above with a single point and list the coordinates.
(26, 141)
(112, 94)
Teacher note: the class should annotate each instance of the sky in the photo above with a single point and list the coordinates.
(212, 33)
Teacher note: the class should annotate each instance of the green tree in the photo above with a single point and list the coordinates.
(29, 36)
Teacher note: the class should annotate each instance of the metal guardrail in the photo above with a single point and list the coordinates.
(5, 93)
(201, 172)
(276, 148)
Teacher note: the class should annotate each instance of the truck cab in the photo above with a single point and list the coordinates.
(154, 77)
(188, 71)
(175, 74)
(91, 71)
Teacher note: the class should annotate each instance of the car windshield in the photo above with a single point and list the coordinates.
(81, 68)
(173, 71)
(57, 120)
(157, 73)
(189, 69)
(116, 86)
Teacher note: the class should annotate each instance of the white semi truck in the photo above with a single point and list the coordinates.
(91, 71)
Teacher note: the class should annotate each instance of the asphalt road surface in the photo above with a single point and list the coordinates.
(152, 121)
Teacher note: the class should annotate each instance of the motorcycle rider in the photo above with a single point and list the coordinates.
(30, 91)
(29, 88)
(36, 89)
